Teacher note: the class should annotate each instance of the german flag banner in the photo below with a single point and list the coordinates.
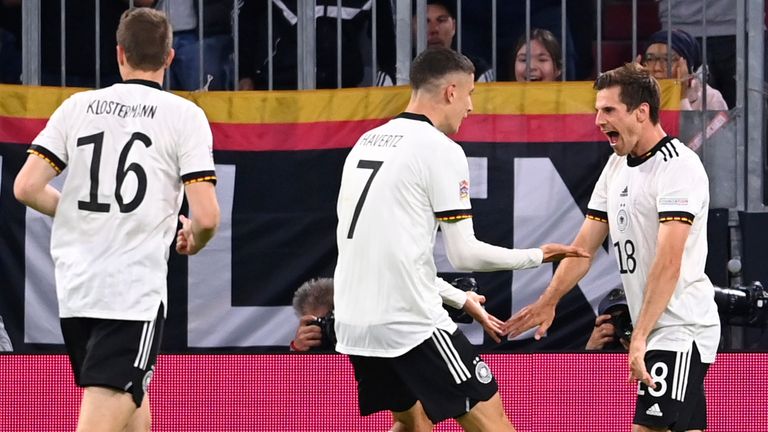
(534, 154)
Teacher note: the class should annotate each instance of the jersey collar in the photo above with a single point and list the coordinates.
(635, 161)
(414, 116)
(147, 83)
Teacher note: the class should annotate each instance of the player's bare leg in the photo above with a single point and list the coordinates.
(141, 420)
(412, 420)
(486, 416)
(104, 410)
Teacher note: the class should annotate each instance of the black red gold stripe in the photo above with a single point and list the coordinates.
(597, 215)
(676, 216)
(453, 215)
(199, 176)
(48, 156)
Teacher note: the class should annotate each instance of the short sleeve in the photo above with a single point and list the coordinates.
(448, 184)
(196, 150)
(682, 191)
(597, 208)
(51, 143)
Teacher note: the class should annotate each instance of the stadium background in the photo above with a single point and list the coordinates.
(534, 154)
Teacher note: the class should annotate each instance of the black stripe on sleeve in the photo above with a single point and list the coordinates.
(199, 176)
(47, 156)
(676, 216)
(453, 215)
(597, 215)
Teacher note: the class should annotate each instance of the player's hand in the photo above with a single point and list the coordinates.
(540, 314)
(557, 251)
(602, 334)
(185, 238)
(474, 308)
(307, 335)
(637, 369)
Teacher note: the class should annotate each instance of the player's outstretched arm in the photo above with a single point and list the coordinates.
(558, 252)
(570, 271)
(467, 253)
(31, 186)
(196, 232)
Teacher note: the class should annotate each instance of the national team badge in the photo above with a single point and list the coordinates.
(622, 220)
(464, 189)
(483, 372)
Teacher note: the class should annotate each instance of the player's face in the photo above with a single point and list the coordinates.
(461, 101)
(617, 123)
(542, 65)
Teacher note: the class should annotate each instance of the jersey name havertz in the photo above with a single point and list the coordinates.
(379, 140)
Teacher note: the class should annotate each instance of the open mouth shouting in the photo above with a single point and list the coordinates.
(613, 137)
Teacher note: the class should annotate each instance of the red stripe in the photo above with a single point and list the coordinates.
(18, 130)
(500, 128)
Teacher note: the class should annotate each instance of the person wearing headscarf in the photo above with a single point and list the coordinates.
(683, 64)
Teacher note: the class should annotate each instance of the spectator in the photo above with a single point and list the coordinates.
(687, 15)
(313, 300)
(217, 44)
(684, 64)
(441, 32)
(10, 41)
(5, 341)
(613, 324)
(355, 23)
(578, 38)
(80, 42)
(546, 57)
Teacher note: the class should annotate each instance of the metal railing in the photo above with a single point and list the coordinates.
(739, 172)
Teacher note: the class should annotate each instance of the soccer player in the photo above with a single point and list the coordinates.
(399, 182)
(653, 198)
(132, 151)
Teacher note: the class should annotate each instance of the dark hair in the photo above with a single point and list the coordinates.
(313, 293)
(636, 86)
(550, 44)
(450, 6)
(683, 44)
(434, 63)
(145, 35)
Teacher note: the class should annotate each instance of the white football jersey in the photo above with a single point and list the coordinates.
(399, 180)
(634, 195)
(129, 150)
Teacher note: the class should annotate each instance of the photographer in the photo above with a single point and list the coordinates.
(613, 325)
(313, 302)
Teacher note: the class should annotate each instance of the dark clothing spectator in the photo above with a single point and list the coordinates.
(217, 44)
(355, 25)
(80, 42)
(10, 41)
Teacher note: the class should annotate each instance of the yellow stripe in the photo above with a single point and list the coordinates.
(506, 98)
(595, 218)
(454, 218)
(45, 158)
(201, 179)
(676, 218)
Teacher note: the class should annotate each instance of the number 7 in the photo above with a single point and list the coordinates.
(363, 164)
